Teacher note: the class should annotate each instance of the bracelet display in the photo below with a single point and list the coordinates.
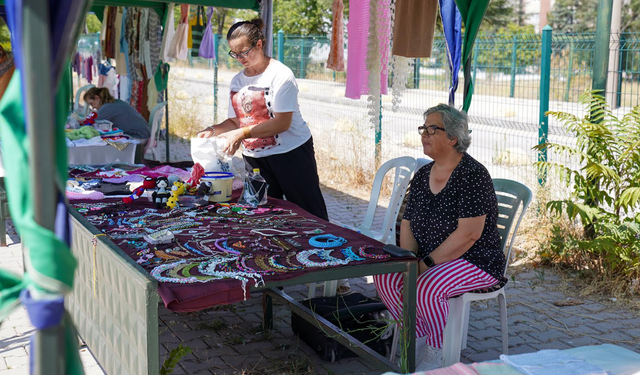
(326, 241)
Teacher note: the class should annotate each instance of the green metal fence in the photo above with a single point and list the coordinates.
(505, 114)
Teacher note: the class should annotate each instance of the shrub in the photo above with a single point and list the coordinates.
(605, 190)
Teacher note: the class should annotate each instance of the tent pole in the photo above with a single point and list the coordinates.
(49, 353)
(166, 116)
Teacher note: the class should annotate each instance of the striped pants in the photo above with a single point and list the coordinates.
(435, 287)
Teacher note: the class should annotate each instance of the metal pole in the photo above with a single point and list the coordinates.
(621, 51)
(514, 56)
(601, 48)
(281, 46)
(545, 77)
(302, 57)
(49, 354)
(615, 28)
(416, 74)
(166, 116)
(569, 73)
(216, 41)
(378, 147)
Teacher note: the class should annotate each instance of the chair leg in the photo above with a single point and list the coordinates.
(504, 323)
(3, 233)
(330, 288)
(394, 342)
(465, 324)
(312, 290)
(452, 342)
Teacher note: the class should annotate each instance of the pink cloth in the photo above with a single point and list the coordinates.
(93, 195)
(163, 171)
(358, 32)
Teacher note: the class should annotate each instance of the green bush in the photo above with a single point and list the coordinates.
(605, 190)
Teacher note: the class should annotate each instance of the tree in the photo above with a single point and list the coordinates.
(311, 16)
(577, 16)
(93, 23)
(631, 16)
(499, 14)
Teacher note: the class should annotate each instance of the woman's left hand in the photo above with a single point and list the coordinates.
(234, 140)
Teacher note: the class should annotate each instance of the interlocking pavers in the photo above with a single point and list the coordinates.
(239, 345)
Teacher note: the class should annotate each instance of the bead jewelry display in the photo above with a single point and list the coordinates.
(349, 254)
(326, 241)
(268, 232)
(363, 253)
(303, 258)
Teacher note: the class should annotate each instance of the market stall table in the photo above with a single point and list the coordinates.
(220, 256)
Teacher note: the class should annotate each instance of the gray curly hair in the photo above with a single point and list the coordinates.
(456, 125)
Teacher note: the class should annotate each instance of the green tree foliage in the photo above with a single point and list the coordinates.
(577, 16)
(605, 185)
(93, 23)
(500, 13)
(496, 49)
(312, 17)
(631, 16)
(5, 36)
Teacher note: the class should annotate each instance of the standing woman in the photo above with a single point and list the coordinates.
(451, 224)
(264, 117)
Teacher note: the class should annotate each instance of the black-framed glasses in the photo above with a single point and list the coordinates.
(242, 54)
(430, 130)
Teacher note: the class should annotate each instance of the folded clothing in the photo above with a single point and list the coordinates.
(551, 362)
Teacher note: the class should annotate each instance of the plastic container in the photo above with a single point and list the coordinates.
(255, 190)
(221, 185)
(260, 186)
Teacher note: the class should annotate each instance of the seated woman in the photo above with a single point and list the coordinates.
(451, 224)
(121, 114)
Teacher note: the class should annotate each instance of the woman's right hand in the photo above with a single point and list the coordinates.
(207, 132)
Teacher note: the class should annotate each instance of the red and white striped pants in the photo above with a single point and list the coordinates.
(435, 287)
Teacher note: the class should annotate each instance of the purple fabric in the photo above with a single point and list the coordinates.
(207, 49)
(42, 313)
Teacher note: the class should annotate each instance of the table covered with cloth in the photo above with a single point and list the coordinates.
(219, 252)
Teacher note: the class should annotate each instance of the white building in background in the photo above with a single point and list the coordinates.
(535, 11)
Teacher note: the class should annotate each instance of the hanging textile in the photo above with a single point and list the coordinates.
(109, 47)
(452, 26)
(207, 49)
(178, 47)
(414, 26)
(121, 60)
(266, 13)
(358, 31)
(197, 31)
(472, 13)
(336, 53)
(155, 41)
(169, 32)
(6, 70)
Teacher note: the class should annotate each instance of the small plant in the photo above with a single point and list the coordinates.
(174, 357)
(605, 187)
(214, 325)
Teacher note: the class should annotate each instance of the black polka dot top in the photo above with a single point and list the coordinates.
(468, 193)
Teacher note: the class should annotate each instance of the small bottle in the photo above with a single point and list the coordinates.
(260, 186)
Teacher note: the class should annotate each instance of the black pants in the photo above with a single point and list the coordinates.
(294, 175)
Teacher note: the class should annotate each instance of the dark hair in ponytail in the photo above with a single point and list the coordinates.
(252, 30)
(101, 92)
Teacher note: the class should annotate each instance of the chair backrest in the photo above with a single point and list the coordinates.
(404, 167)
(421, 162)
(79, 93)
(155, 118)
(511, 195)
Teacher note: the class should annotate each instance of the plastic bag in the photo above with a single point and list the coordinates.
(208, 152)
(254, 192)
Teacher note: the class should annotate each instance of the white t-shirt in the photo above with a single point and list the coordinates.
(254, 100)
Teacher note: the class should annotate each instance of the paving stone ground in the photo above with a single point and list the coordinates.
(227, 340)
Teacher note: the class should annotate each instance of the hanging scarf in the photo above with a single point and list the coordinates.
(336, 53)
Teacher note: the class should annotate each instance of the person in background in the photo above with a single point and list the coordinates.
(451, 224)
(264, 117)
(121, 114)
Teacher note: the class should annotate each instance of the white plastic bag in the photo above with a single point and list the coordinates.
(209, 153)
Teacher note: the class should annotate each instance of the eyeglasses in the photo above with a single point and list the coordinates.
(430, 130)
(241, 54)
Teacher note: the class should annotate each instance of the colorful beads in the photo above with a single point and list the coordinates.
(326, 241)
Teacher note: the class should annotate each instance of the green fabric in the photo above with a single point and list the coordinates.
(85, 132)
(161, 78)
(49, 263)
(472, 12)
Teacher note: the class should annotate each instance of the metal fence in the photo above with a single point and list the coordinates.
(505, 111)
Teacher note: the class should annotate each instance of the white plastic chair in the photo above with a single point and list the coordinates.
(403, 167)
(155, 118)
(511, 195)
(79, 94)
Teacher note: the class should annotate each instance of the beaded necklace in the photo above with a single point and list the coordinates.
(303, 258)
(326, 241)
(363, 253)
